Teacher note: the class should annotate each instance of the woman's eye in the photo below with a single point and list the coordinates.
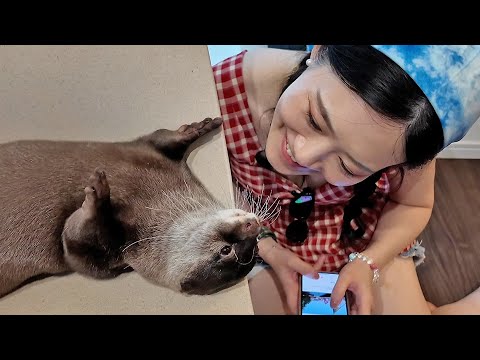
(313, 123)
(345, 170)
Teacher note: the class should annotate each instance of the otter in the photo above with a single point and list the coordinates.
(103, 208)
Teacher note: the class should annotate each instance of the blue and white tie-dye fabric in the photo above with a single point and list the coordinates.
(449, 75)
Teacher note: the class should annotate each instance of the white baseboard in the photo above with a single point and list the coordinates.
(461, 150)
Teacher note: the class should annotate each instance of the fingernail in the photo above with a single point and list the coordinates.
(335, 310)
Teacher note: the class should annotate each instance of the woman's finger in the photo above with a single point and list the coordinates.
(302, 267)
(319, 263)
(339, 291)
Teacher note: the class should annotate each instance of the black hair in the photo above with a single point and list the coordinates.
(391, 92)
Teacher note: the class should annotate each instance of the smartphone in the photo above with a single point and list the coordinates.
(315, 296)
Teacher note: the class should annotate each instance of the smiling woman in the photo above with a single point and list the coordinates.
(321, 126)
(350, 124)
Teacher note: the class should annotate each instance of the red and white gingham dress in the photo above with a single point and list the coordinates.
(325, 223)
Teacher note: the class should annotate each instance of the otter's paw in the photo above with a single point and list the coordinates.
(191, 132)
(98, 191)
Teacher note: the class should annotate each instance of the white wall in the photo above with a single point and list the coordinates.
(221, 52)
(467, 148)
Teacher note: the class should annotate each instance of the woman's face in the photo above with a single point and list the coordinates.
(323, 129)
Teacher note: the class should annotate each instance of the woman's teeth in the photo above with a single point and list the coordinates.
(289, 152)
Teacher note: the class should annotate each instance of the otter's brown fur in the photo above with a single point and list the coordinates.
(98, 208)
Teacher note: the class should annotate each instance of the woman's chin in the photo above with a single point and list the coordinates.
(276, 163)
(281, 168)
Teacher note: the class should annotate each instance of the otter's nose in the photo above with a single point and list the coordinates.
(251, 224)
(253, 217)
(251, 221)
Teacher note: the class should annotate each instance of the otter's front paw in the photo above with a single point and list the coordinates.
(174, 143)
(195, 130)
(97, 193)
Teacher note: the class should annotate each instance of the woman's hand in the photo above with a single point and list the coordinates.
(287, 266)
(355, 276)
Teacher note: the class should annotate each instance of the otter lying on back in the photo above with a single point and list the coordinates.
(97, 208)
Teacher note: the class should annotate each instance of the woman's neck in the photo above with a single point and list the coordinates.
(299, 180)
(313, 181)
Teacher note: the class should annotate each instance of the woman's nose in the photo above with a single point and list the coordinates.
(299, 142)
(308, 151)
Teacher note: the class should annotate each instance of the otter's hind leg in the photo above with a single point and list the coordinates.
(91, 235)
(174, 144)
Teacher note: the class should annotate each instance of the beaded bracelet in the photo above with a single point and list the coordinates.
(376, 271)
(266, 232)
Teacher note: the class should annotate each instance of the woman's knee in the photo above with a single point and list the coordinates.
(266, 292)
(399, 291)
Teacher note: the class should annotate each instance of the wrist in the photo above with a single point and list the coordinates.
(266, 242)
(368, 261)
(265, 247)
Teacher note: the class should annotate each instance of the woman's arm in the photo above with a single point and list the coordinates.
(402, 220)
(405, 216)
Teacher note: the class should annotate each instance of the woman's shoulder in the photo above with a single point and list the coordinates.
(270, 63)
(265, 71)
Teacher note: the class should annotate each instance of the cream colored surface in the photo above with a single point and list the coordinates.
(114, 93)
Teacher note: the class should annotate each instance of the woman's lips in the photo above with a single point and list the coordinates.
(289, 159)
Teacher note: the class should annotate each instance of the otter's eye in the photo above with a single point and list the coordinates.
(226, 250)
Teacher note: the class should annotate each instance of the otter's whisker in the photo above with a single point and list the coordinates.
(239, 199)
(149, 238)
(154, 209)
(241, 202)
(249, 198)
(169, 211)
(265, 207)
(274, 219)
(257, 201)
(272, 212)
(181, 201)
(271, 203)
(173, 204)
(237, 195)
(238, 260)
(190, 197)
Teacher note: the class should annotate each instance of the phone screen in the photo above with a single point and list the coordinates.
(315, 296)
